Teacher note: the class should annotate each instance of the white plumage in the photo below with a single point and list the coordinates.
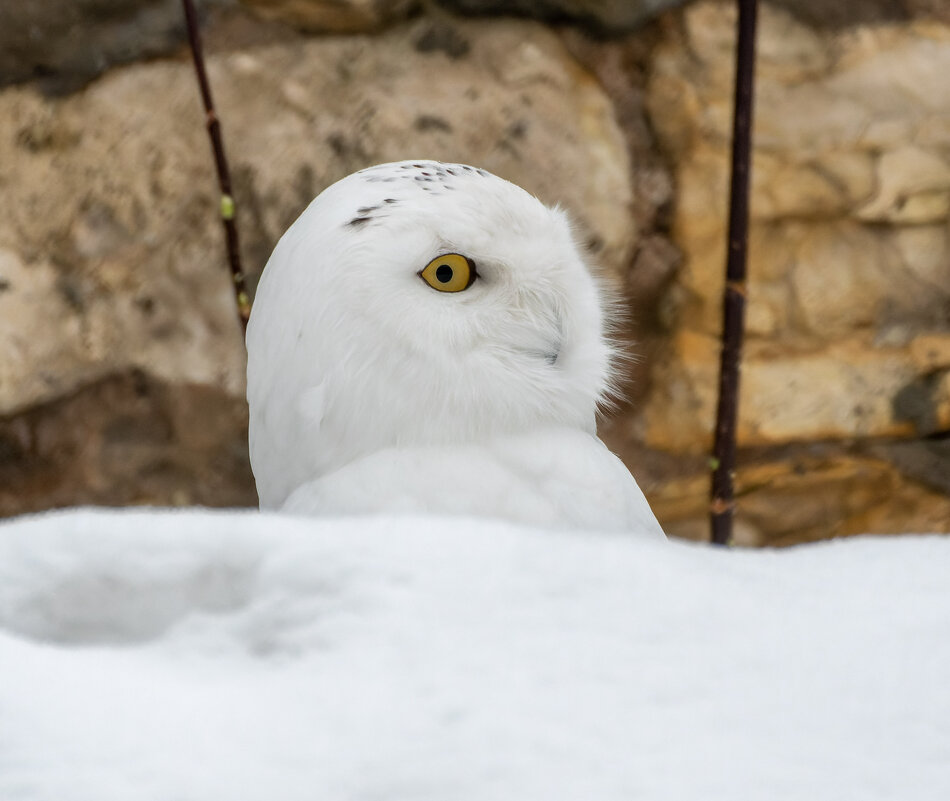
(427, 338)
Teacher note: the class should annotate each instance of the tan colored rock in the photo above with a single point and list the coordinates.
(931, 352)
(334, 16)
(842, 275)
(127, 439)
(925, 253)
(112, 258)
(846, 390)
(877, 88)
(802, 497)
(794, 54)
(849, 259)
(768, 308)
(842, 391)
(913, 186)
(901, 68)
(821, 280)
(827, 185)
(110, 250)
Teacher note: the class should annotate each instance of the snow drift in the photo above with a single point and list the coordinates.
(152, 655)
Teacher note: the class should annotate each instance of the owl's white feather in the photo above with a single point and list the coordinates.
(371, 391)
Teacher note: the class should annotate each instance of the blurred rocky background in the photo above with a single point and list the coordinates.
(121, 360)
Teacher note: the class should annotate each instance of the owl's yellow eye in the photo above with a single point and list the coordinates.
(449, 273)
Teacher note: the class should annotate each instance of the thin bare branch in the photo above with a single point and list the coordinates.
(227, 206)
(723, 461)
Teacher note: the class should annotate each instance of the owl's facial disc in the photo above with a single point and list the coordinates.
(549, 350)
(532, 326)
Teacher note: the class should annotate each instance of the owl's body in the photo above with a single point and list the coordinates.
(553, 477)
(427, 338)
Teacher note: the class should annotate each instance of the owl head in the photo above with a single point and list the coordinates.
(418, 303)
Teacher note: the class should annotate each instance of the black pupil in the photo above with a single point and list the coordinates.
(443, 273)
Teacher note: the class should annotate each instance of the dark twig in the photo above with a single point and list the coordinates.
(221, 163)
(733, 306)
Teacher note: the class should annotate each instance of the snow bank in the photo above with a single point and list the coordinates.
(179, 656)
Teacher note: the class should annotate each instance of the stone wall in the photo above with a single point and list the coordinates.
(847, 364)
(121, 365)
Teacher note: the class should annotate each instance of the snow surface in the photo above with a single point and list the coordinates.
(171, 656)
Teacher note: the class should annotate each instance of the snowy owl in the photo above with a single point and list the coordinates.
(426, 338)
